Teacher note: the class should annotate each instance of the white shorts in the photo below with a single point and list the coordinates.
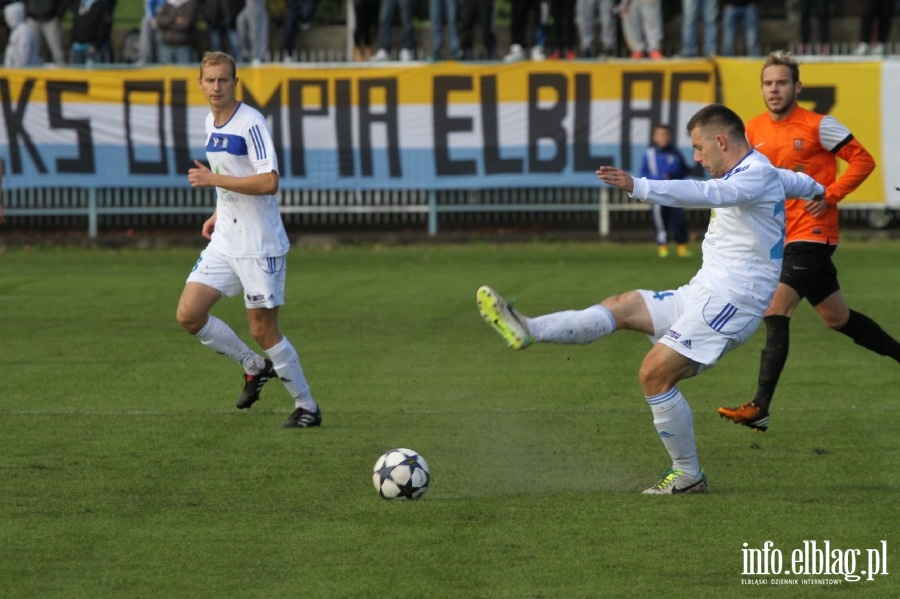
(260, 279)
(698, 324)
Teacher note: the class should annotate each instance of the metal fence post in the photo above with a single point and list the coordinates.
(432, 213)
(604, 212)
(92, 213)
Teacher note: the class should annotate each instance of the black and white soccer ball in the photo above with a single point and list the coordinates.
(401, 474)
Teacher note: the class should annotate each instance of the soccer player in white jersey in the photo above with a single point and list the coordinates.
(247, 245)
(718, 310)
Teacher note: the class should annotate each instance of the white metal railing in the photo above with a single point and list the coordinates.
(74, 208)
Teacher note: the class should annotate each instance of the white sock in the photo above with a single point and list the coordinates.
(287, 364)
(218, 336)
(573, 326)
(675, 425)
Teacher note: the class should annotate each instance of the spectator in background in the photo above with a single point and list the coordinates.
(642, 27)
(471, 13)
(177, 22)
(253, 31)
(589, 11)
(662, 161)
(875, 12)
(565, 42)
(820, 9)
(148, 40)
(691, 11)
(443, 12)
(22, 46)
(299, 12)
(366, 26)
(518, 30)
(738, 13)
(44, 19)
(385, 25)
(221, 24)
(91, 29)
(1, 159)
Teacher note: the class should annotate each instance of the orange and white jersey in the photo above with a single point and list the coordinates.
(809, 142)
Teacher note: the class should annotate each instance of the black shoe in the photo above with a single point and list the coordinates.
(303, 418)
(253, 384)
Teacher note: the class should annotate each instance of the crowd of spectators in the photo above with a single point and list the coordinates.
(176, 31)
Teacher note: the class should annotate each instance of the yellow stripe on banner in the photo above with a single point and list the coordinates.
(449, 82)
(849, 91)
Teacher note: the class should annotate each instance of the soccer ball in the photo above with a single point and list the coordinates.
(401, 474)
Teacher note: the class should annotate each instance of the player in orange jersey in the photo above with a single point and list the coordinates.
(798, 139)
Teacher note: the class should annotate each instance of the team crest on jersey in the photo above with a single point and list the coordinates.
(798, 144)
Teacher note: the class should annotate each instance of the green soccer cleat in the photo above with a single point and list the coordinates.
(675, 481)
(497, 313)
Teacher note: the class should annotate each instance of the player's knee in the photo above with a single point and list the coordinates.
(189, 321)
(834, 319)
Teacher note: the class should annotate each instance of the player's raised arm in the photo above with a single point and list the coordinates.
(616, 177)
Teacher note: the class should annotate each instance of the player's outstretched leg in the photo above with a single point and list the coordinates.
(253, 384)
(497, 313)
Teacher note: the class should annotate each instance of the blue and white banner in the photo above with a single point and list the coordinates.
(441, 126)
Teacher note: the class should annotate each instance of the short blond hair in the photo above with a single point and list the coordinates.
(217, 58)
(783, 59)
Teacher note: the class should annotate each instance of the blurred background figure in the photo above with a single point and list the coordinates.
(44, 16)
(221, 24)
(444, 13)
(471, 14)
(877, 15)
(589, 12)
(91, 29)
(366, 28)
(177, 24)
(662, 160)
(564, 41)
(148, 40)
(299, 13)
(820, 10)
(738, 15)
(519, 25)
(253, 31)
(691, 13)
(642, 27)
(22, 46)
(386, 14)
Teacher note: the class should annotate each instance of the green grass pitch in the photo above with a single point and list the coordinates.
(127, 472)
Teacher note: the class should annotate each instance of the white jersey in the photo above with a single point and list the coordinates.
(247, 226)
(744, 244)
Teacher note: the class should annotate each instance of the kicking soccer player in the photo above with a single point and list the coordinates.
(797, 139)
(696, 324)
(247, 244)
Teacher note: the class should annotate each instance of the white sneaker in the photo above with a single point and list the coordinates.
(406, 55)
(675, 481)
(381, 56)
(516, 53)
(862, 49)
(497, 313)
(537, 53)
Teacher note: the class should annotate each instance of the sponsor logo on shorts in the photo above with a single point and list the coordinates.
(673, 334)
(686, 343)
(256, 298)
